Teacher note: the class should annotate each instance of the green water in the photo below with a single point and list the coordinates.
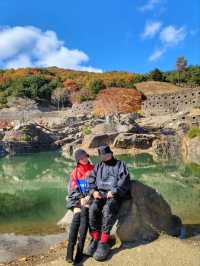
(33, 189)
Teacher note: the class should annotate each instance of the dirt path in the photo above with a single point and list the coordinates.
(165, 251)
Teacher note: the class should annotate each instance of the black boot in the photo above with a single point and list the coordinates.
(102, 251)
(84, 224)
(92, 247)
(73, 234)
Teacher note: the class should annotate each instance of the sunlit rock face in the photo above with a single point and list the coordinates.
(191, 150)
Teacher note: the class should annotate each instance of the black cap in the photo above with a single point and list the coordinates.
(80, 154)
(104, 149)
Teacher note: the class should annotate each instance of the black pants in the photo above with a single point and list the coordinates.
(78, 231)
(103, 214)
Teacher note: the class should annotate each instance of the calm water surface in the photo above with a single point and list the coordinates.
(33, 189)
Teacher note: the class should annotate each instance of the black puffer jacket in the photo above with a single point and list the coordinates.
(110, 176)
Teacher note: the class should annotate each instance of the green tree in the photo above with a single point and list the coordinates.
(33, 87)
(193, 73)
(140, 78)
(156, 75)
(95, 86)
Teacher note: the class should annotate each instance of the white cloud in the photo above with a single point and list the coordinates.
(157, 54)
(150, 5)
(151, 29)
(31, 47)
(171, 36)
(19, 62)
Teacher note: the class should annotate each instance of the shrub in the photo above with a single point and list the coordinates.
(156, 75)
(95, 86)
(193, 132)
(86, 130)
(117, 100)
(25, 137)
(3, 100)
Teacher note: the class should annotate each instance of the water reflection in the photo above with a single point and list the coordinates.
(33, 189)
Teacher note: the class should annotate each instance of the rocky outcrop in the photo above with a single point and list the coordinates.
(125, 123)
(69, 148)
(95, 140)
(82, 108)
(15, 147)
(26, 139)
(73, 130)
(191, 150)
(167, 147)
(143, 217)
(138, 141)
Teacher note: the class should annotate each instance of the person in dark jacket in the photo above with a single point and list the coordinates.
(109, 185)
(78, 202)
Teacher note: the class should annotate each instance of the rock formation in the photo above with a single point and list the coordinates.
(143, 217)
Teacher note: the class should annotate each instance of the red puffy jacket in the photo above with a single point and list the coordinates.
(78, 184)
(79, 174)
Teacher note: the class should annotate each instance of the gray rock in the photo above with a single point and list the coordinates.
(82, 108)
(122, 128)
(143, 217)
(139, 141)
(124, 141)
(65, 222)
(27, 139)
(95, 140)
(167, 147)
(192, 150)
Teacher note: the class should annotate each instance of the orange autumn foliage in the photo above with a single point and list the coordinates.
(121, 100)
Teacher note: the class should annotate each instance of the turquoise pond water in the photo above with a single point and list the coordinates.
(33, 189)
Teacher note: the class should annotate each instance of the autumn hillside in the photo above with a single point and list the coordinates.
(61, 87)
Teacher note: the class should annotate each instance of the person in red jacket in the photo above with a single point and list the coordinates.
(78, 202)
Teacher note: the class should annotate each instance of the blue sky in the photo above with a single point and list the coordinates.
(99, 35)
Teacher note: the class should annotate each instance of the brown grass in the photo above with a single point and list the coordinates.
(156, 87)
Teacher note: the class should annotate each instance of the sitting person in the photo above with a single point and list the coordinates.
(109, 185)
(78, 202)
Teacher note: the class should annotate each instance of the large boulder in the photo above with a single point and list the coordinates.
(28, 138)
(141, 218)
(145, 215)
(124, 141)
(124, 123)
(95, 140)
(138, 141)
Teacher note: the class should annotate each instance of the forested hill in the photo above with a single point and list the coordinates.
(49, 84)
